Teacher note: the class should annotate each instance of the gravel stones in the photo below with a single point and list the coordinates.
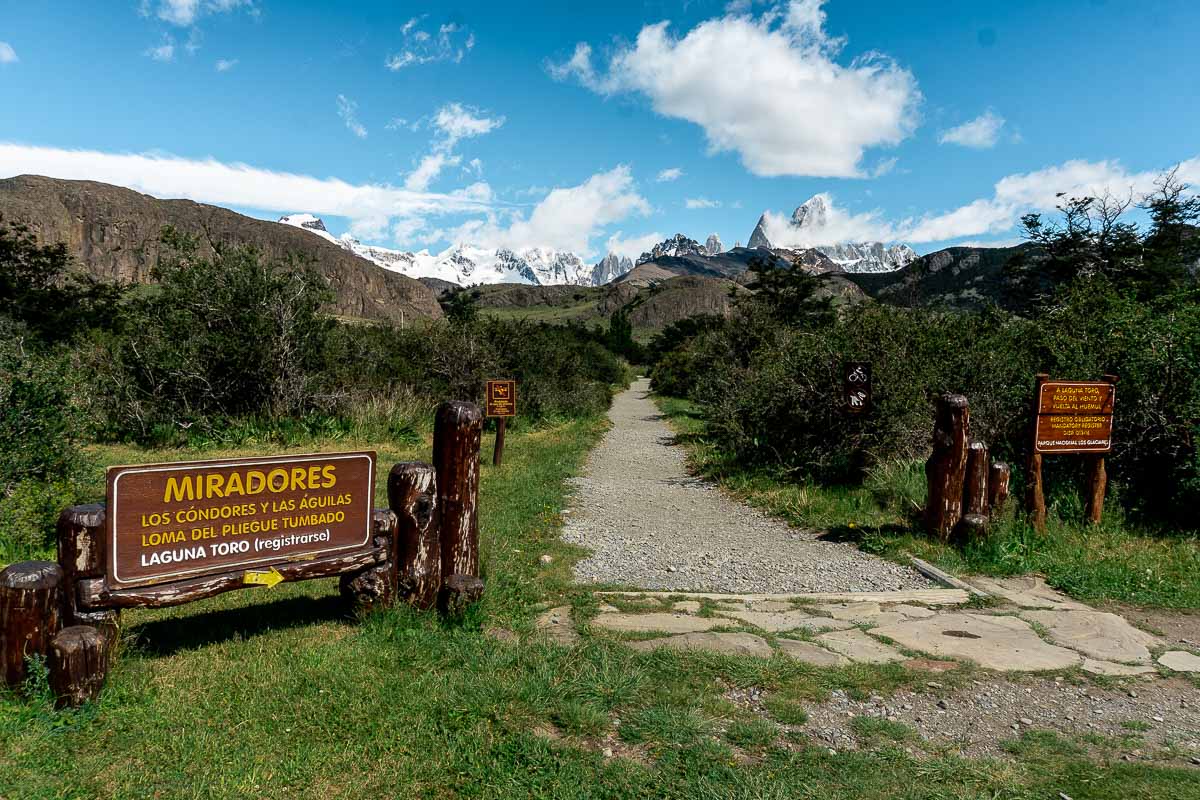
(650, 524)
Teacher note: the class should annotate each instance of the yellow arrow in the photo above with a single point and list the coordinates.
(267, 579)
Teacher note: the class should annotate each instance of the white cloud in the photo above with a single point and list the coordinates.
(429, 168)
(840, 226)
(348, 111)
(185, 13)
(456, 122)
(767, 87)
(7, 54)
(240, 185)
(451, 42)
(980, 133)
(164, 52)
(226, 64)
(668, 175)
(566, 218)
(701, 202)
(634, 246)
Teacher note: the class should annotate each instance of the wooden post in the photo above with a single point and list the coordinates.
(82, 550)
(412, 495)
(375, 585)
(498, 453)
(457, 429)
(459, 592)
(946, 468)
(78, 665)
(971, 527)
(1035, 500)
(32, 606)
(975, 484)
(998, 478)
(1097, 480)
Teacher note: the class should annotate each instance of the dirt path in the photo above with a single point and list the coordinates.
(652, 525)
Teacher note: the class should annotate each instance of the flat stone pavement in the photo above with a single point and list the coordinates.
(1033, 629)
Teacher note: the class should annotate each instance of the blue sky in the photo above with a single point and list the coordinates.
(607, 126)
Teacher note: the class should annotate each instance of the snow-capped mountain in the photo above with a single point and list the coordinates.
(611, 267)
(464, 264)
(677, 245)
(808, 221)
(713, 245)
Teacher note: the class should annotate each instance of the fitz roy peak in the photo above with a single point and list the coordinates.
(812, 217)
(466, 265)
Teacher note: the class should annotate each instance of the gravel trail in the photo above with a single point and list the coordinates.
(651, 525)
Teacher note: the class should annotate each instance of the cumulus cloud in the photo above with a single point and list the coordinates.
(7, 54)
(164, 52)
(226, 64)
(425, 45)
(701, 202)
(452, 123)
(980, 133)
(668, 175)
(240, 185)
(566, 218)
(633, 246)
(788, 108)
(185, 13)
(1012, 196)
(348, 111)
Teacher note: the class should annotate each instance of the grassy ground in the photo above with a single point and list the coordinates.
(1113, 561)
(277, 693)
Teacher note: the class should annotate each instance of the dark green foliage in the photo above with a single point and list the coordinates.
(461, 306)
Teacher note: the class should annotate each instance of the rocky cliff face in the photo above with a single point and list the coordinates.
(114, 232)
(611, 267)
(675, 247)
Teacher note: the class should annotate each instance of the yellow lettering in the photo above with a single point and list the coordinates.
(178, 489)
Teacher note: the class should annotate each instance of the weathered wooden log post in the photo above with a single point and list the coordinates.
(946, 468)
(78, 664)
(1035, 492)
(82, 550)
(458, 427)
(975, 483)
(998, 478)
(376, 585)
(412, 495)
(32, 607)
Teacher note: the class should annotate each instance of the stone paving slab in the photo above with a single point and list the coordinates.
(667, 623)
(860, 647)
(779, 621)
(810, 653)
(1180, 661)
(997, 642)
(555, 625)
(1027, 591)
(1097, 634)
(1110, 669)
(742, 644)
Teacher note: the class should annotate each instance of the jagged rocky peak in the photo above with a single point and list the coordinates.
(677, 245)
(713, 246)
(759, 237)
(304, 221)
(813, 214)
(609, 268)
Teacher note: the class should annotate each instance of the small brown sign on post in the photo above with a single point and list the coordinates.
(171, 522)
(856, 387)
(1074, 417)
(502, 403)
(501, 398)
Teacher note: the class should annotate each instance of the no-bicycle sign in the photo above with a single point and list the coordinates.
(170, 522)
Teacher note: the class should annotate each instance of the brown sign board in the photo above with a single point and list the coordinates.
(501, 398)
(169, 522)
(1075, 417)
(856, 387)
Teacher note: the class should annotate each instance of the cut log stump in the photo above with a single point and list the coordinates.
(32, 607)
(457, 429)
(975, 483)
(79, 657)
(945, 471)
(999, 476)
(459, 592)
(412, 495)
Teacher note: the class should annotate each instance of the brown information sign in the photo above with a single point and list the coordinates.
(1075, 417)
(501, 398)
(856, 387)
(169, 522)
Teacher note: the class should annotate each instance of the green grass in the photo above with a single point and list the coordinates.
(1116, 560)
(279, 693)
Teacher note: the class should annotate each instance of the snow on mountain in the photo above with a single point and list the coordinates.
(809, 221)
(464, 264)
(677, 245)
(611, 267)
(713, 246)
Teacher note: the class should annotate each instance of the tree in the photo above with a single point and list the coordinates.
(790, 295)
(461, 306)
(1171, 249)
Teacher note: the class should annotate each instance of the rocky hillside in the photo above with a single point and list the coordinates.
(114, 235)
(954, 278)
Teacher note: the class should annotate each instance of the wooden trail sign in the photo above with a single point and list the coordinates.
(501, 403)
(1071, 417)
(856, 387)
(171, 522)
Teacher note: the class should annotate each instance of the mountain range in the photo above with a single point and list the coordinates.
(809, 227)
